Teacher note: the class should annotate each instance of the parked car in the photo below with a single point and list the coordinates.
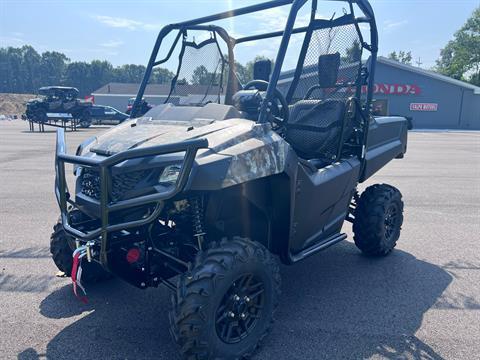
(144, 107)
(101, 114)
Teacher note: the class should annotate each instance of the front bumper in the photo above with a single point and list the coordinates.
(107, 205)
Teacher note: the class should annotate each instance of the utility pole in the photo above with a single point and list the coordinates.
(419, 62)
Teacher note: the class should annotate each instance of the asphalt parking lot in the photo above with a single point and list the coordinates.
(423, 301)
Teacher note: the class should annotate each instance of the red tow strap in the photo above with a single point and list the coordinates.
(77, 274)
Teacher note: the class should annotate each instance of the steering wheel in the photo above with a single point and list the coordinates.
(278, 116)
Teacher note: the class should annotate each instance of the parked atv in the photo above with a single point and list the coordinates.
(207, 196)
(59, 103)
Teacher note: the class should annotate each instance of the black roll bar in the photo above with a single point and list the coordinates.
(364, 6)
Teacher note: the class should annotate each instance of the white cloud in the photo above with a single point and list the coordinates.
(124, 23)
(276, 19)
(390, 25)
(152, 27)
(112, 43)
(364, 27)
(11, 41)
(267, 21)
(117, 22)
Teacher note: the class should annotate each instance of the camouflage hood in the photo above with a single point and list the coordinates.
(134, 134)
(247, 149)
(138, 133)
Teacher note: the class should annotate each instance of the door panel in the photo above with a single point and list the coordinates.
(321, 202)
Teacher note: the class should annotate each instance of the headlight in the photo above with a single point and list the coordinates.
(84, 145)
(170, 174)
(77, 169)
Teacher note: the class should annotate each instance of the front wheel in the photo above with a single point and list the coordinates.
(378, 220)
(40, 116)
(85, 120)
(224, 307)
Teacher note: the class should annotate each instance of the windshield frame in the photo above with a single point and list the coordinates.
(202, 24)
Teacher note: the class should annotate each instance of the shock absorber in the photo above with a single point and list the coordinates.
(196, 205)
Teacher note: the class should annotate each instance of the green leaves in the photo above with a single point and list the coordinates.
(403, 56)
(24, 70)
(460, 58)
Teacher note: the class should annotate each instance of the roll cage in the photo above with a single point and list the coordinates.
(107, 205)
(58, 91)
(204, 23)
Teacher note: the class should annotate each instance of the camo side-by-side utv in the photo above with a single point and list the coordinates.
(58, 102)
(204, 196)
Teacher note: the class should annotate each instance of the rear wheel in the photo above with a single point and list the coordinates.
(62, 246)
(224, 307)
(85, 120)
(378, 220)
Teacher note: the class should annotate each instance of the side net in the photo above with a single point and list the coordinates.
(332, 65)
(329, 77)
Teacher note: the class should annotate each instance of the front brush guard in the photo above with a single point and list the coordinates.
(190, 147)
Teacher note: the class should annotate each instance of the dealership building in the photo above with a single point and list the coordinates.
(432, 100)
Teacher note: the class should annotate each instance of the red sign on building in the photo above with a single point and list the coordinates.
(395, 89)
(423, 107)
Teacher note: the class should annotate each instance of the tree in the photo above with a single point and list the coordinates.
(100, 73)
(52, 68)
(77, 74)
(201, 76)
(161, 76)
(354, 53)
(14, 74)
(30, 67)
(24, 70)
(129, 73)
(402, 57)
(4, 73)
(460, 58)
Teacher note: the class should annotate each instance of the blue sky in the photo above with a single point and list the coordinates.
(124, 31)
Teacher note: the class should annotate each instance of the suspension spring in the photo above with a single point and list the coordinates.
(196, 205)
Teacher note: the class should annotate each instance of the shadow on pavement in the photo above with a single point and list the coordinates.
(53, 129)
(338, 304)
(24, 283)
(342, 304)
(39, 132)
(118, 322)
(26, 253)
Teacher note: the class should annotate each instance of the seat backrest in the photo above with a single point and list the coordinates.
(314, 128)
(300, 108)
(320, 120)
(55, 104)
(69, 104)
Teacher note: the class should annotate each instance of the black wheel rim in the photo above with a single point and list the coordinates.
(240, 309)
(391, 222)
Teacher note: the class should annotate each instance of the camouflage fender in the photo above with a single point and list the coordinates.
(244, 152)
(260, 156)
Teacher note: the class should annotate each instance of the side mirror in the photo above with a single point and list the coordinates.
(328, 66)
(262, 70)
